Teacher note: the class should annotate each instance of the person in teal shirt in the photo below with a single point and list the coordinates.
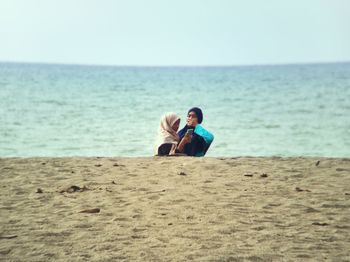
(200, 139)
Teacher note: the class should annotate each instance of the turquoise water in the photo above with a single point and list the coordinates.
(70, 110)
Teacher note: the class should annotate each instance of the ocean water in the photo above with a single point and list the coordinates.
(72, 110)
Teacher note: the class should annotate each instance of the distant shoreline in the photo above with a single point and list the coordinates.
(171, 157)
(175, 66)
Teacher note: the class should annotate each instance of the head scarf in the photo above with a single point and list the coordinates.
(166, 134)
(198, 113)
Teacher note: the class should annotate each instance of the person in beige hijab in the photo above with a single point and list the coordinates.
(168, 140)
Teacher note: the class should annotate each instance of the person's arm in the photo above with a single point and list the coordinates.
(185, 140)
(173, 149)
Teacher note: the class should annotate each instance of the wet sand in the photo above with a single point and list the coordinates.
(175, 209)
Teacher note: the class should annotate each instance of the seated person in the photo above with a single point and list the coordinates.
(196, 139)
(168, 140)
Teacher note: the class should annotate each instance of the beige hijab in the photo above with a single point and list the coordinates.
(166, 134)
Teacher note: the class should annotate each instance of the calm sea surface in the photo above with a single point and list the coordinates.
(70, 110)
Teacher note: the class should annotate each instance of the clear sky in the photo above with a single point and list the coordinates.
(175, 32)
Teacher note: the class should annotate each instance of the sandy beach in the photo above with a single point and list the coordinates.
(175, 209)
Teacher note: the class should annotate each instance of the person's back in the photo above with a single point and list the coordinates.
(168, 139)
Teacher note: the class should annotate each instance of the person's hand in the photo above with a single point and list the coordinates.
(173, 150)
(187, 138)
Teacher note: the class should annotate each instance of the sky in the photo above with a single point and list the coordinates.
(175, 32)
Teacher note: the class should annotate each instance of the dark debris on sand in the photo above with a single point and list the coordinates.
(73, 189)
(91, 211)
(319, 224)
(298, 189)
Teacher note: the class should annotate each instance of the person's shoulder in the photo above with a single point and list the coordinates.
(208, 136)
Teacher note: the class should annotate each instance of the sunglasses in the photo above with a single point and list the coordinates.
(192, 115)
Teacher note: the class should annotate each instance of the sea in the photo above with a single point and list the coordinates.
(54, 110)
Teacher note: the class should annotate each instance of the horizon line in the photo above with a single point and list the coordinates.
(174, 65)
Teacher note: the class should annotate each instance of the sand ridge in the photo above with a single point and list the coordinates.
(175, 209)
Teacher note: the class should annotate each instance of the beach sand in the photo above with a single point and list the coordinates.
(175, 209)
